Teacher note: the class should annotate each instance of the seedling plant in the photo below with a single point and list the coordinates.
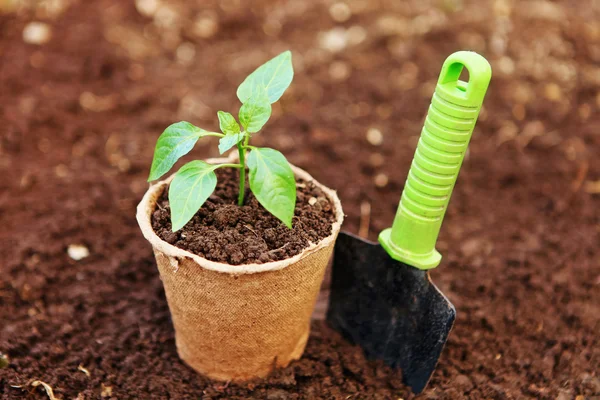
(270, 176)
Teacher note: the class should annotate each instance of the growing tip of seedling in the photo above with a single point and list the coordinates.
(270, 176)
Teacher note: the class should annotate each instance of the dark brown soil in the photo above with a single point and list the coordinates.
(80, 116)
(223, 232)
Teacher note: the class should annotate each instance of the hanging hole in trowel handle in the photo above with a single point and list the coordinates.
(475, 72)
(451, 76)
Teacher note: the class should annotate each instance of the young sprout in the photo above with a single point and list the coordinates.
(270, 176)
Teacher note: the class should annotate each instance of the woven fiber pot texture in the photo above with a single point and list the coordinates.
(239, 322)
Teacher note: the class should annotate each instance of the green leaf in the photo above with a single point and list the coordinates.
(227, 123)
(274, 76)
(175, 142)
(255, 112)
(189, 189)
(272, 182)
(230, 140)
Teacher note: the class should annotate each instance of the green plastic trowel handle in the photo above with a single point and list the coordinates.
(448, 127)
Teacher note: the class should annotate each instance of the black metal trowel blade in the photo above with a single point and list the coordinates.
(392, 310)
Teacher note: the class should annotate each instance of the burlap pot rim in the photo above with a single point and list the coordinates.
(148, 204)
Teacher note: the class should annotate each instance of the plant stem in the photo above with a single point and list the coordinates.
(242, 153)
(230, 166)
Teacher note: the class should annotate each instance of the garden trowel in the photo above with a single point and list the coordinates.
(382, 297)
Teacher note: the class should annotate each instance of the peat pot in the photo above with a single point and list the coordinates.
(237, 322)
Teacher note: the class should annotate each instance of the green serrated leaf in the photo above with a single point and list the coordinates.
(274, 76)
(272, 182)
(230, 140)
(175, 142)
(227, 123)
(255, 112)
(189, 189)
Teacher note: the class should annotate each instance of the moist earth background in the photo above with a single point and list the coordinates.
(82, 112)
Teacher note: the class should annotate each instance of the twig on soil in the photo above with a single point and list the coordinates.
(576, 185)
(47, 388)
(278, 249)
(365, 219)
(84, 370)
(251, 230)
(221, 388)
(582, 172)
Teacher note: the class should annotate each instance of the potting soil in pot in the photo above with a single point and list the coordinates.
(224, 232)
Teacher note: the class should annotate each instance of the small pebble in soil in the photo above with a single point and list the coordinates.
(166, 17)
(4, 361)
(592, 187)
(185, 53)
(506, 65)
(552, 91)
(340, 12)
(376, 160)
(272, 27)
(61, 171)
(92, 102)
(37, 33)
(381, 180)
(519, 112)
(334, 40)
(384, 111)
(78, 251)
(146, 7)
(374, 136)
(206, 26)
(356, 34)
(339, 71)
(106, 391)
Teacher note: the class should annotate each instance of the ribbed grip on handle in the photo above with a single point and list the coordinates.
(444, 139)
(437, 160)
